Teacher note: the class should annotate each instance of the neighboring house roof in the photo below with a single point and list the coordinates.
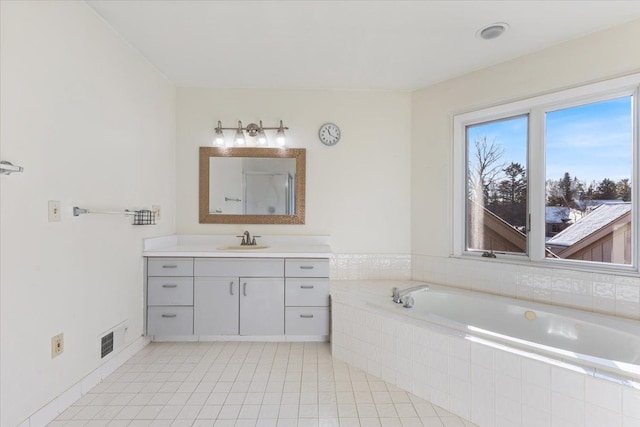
(584, 204)
(556, 214)
(589, 224)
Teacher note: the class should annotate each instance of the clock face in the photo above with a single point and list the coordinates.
(329, 134)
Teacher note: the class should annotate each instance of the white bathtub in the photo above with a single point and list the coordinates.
(597, 341)
(495, 361)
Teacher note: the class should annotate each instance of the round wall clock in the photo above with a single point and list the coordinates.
(329, 134)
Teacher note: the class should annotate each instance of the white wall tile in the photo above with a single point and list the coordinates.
(604, 394)
(536, 397)
(534, 417)
(567, 382)
(536, 372)
(631, 403)
(565, 409)
(508, 409)
(595, 416)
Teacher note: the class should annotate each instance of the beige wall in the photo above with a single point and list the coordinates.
(357, 191)
(595, 57)
(92, 123)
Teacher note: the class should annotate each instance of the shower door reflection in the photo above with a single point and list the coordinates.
(267, 193)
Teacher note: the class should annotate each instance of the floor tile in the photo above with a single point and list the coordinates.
(238, 384)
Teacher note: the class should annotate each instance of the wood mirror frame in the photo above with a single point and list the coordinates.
(299, 154)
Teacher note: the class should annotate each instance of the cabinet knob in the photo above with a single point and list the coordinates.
(170, 285)
(169, 315)
(306, 286)
(170, 266)
(306, 316)
(244, 289)
(231, 287)
(306, 267)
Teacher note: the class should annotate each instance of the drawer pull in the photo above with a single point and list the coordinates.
(231, 288)
(170, 286)
(170, 266)
(244, 288)
(306, 267)
(306, 316)
(169, 315)
(306, 286)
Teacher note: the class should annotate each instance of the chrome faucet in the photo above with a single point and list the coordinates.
(399, 295)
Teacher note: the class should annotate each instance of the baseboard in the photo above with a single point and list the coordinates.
(239, 338)
(55, 407)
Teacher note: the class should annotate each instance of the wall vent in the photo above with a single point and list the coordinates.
(106, 345)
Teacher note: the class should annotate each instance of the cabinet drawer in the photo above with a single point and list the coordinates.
(170, 321)
(307, 321)
(307, 292)
(239, 267)
(170, 267)
(300, 267)
(170, 291)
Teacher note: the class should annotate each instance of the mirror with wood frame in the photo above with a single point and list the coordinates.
(245, 185)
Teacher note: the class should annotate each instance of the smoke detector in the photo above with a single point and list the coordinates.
(492, 31)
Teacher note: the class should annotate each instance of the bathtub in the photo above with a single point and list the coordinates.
(596, 341)
(493, 360)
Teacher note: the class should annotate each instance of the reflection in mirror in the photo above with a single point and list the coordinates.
(252, 185)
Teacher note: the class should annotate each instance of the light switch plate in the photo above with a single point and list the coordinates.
(54, 211)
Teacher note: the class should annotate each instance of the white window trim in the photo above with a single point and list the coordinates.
(536, 108)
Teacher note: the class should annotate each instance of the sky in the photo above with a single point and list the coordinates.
(591, 141)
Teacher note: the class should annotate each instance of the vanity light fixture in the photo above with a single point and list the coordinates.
(253, 130)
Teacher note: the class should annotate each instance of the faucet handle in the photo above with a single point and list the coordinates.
(244, 242)
(408, 302)
(253, 242)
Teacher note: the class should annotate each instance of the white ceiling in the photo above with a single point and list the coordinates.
(344, 44)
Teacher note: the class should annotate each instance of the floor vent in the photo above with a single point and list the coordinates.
(107, 345)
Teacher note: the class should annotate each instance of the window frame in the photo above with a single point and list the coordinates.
(536, 108)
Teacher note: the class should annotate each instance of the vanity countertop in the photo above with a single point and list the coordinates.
(214, 246)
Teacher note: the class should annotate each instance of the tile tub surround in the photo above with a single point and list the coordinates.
(490, 385)
(370, 266)
(597, 292)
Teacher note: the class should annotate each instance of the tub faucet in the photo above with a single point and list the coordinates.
(398, 295)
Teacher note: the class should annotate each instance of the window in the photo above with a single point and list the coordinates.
(551, 179)
(497, 185)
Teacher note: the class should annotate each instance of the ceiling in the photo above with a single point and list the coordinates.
(352, 45)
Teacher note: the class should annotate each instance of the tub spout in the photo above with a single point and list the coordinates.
(398, 294)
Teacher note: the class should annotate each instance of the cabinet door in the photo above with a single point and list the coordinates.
(261, 306)
(216, 306)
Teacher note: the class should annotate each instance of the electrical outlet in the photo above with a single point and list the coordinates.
(57, 345)
(156, 210)
(54, 210)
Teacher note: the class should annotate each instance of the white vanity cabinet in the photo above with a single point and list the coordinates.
(210, 298)
(307, 296)
(170, 296)
(239, 296)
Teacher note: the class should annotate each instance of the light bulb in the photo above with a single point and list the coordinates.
(239, 140)
(280, 139)
(218, 140)
(262, 139)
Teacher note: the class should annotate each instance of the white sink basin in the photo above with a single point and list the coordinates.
(242, 247)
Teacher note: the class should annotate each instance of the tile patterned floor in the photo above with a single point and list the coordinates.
(247, 385)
